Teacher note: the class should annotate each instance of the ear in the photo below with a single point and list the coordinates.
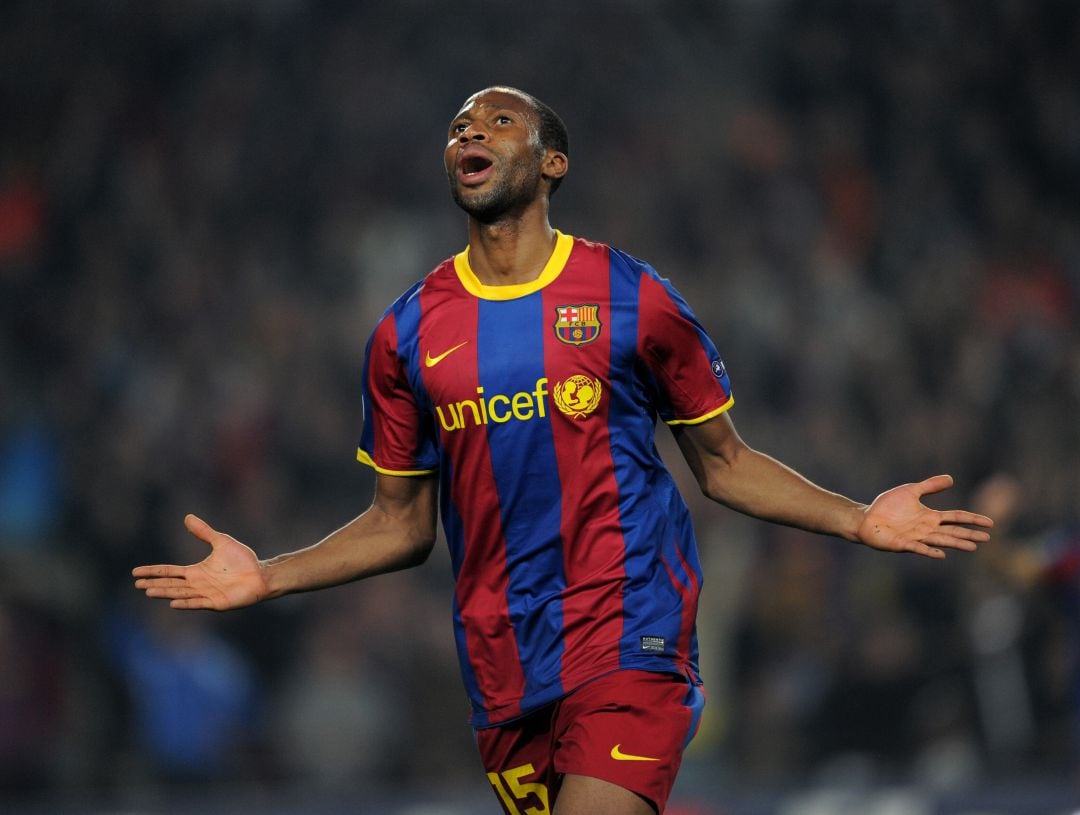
(555, 164)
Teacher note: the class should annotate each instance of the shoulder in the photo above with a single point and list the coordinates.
(584, 246)
(401, 318)
(632, 279)
(437, 278)
(623, 264)
(631, 264)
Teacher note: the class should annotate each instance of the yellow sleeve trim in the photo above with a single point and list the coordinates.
(552, 269)
(364, 458)
(707, 416)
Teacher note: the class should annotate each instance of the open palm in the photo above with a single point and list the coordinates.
(898, 521)
(230, 576)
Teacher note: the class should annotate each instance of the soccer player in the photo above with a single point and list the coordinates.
(517, 388)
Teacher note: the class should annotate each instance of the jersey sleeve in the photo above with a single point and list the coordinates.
(398, 436)
(692, 381)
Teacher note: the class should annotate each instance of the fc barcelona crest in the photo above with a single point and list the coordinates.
(577, 325)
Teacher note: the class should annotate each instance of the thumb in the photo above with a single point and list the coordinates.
(936, 483)
(201, 529)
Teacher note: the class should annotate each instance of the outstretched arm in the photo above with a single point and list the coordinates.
(734, 474)
(397, 532)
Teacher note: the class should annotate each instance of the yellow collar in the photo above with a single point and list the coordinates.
(552, 269)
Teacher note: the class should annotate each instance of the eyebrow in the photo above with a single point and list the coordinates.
(463, 114)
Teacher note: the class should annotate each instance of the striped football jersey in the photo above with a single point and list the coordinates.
(572, 551)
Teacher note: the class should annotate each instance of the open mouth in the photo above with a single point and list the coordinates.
(474, 166)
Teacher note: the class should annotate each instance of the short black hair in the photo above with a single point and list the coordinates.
(552, 131)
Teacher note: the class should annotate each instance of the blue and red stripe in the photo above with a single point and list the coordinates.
(526, 481)
(594, 550)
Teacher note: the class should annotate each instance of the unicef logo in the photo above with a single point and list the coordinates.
(577, 396)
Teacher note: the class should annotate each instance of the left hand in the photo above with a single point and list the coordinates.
(898, 521)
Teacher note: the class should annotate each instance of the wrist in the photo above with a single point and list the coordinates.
(852, 521)
(272, 577)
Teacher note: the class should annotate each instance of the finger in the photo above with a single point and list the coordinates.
(200, 529)
(193, 603)
(950, 541)
(957, 531)
(959, 516)
(935, 483)
(964, 533)
(160, 582)
(955, 543)
(926, 551)
(160, 570)
(172, 592)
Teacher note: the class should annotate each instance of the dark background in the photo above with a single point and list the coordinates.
(874, 207)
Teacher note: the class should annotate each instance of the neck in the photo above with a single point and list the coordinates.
(512, 250)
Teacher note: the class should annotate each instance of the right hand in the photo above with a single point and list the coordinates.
(230, 576)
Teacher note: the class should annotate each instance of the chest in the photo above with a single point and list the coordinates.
(483, 362)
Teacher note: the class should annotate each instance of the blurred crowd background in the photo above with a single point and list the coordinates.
(874, 207)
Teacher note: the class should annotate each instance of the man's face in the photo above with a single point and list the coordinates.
(493, 155)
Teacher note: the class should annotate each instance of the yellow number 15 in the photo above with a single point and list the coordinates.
(514, 791)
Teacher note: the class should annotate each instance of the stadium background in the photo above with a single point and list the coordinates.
(204, 206)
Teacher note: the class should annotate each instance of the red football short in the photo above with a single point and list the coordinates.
(628, 727)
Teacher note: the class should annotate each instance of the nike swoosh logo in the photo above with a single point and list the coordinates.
(431, 361)
(619, 755)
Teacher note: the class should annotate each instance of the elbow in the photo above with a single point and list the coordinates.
(712, 489)
(423, 550)
(713, 451)
(716, 478)
(419, 549)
